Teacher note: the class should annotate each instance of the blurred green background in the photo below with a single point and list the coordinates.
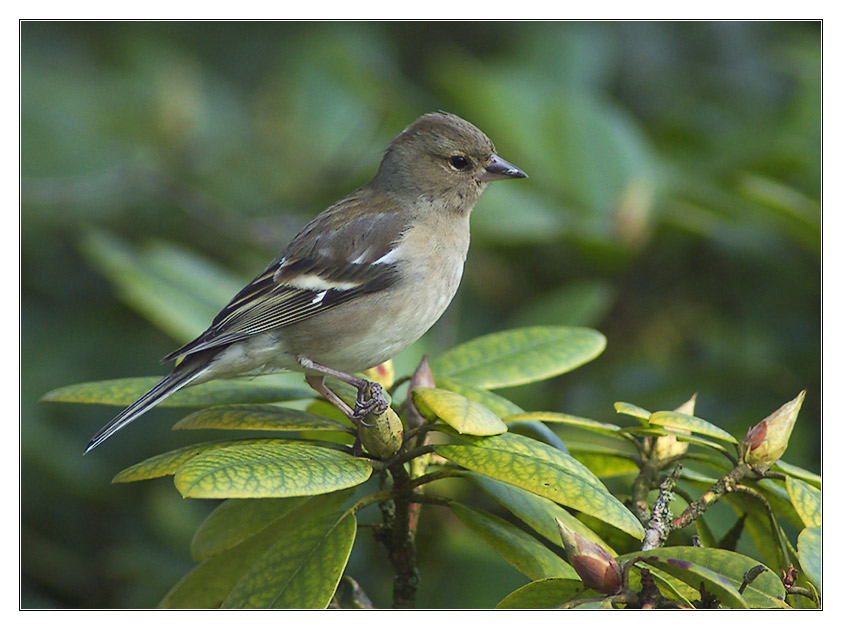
(673, 204)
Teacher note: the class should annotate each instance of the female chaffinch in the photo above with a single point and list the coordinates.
(361, 282)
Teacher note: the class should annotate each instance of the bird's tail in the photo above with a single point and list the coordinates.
(181, 377)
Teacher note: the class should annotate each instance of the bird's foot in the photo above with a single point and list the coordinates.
(370, 399)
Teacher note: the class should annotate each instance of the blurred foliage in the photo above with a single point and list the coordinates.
(673, 204)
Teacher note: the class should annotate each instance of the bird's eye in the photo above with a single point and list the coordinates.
(459, 162)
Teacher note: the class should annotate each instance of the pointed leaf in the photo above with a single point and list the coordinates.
(537, 512)
(267, 469)
(235, 520)
(517, 547)
(301, 570)
(511, 442)
(258, 417)
(537, 431)
(548, 593)
(799, 473)
(124, 391)
(806, 500)
(694, 439)
(682, 421)
(762, 527)
(499, 406)
(698, 575)
(810, 554)
(519, 356)
(168, 463)
(463, 414)
(629, 409)
(777, 496)
(547, 472)
(605, 462)
(564, 418)
(722, 572)
(212, 580)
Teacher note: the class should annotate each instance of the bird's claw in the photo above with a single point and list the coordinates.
(370, 399)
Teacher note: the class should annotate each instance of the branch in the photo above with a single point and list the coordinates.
(399, 538)
(659, 526)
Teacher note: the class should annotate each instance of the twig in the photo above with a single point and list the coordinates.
(727, 483)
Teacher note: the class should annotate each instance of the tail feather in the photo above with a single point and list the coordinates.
(170, 384)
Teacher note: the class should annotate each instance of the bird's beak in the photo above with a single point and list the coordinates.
(498, 168)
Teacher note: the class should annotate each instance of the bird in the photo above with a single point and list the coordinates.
(359, 283)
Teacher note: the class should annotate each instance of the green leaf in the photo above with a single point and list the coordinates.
(763, 528)
(517, 547)
(124, 391)
(668, 585)
(537, 512)
(547, 472)
(269, 469)
(722, 572)
(235, 520)
(519, 356)
(567, 419)
(629, 409)
(696, 575)
(511, 442)
(537, 431)
(716, 446)
(799, 473)
(806, 500)
(168, 463)
(258, 417)
(463, 414)
(775, 493)
(701, 480)
(212, 580)
(810, 554)
(301, 570)
(605, 462)
(499, 406)
(649, 430)
(548, 593)
(684, 422)
(706, 535)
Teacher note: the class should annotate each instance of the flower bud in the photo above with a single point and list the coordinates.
(381, 434)
(597, 568)
(383, 374)
(766, 441)
(668, 446)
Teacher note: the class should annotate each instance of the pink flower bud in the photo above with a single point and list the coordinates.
(766, 441)
(597, 568)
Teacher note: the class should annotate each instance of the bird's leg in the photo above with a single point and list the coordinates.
(317, 382)
(370, 396)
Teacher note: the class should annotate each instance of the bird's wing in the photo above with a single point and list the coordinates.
(331, 261)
